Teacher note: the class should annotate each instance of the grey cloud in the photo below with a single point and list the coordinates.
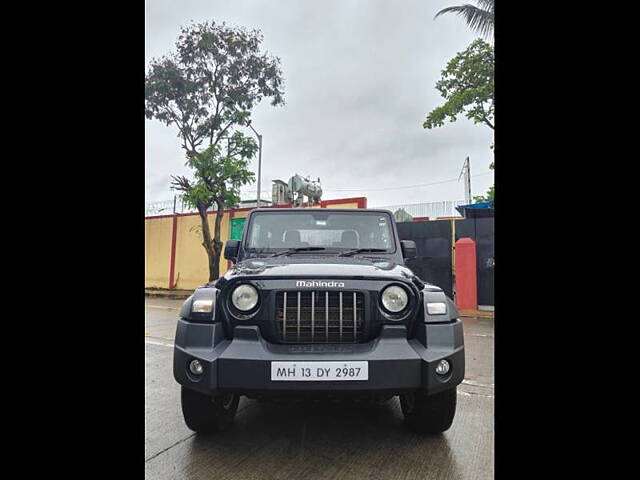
(359, 81)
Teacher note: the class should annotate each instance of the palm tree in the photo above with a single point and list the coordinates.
(478, 18)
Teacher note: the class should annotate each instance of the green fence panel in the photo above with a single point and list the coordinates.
(237, 225)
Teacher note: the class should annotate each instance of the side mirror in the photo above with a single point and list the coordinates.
(231, 250)
(409, 249)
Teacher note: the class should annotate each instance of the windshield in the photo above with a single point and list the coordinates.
(336, 232)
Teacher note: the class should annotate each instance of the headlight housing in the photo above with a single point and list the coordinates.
(438, 308)
(394, 299)
(201, 306)
(244, 297)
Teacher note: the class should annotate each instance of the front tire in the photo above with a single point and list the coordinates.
(204, 414)
(429, 413)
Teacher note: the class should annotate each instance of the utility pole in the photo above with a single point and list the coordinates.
(259, 161)
(259, 169)
(466, 170)
(468, 180)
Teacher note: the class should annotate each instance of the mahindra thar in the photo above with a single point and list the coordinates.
(319, 303)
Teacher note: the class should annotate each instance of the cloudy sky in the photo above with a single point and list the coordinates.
(359, 81)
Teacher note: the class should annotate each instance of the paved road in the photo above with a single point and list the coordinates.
(325, 441)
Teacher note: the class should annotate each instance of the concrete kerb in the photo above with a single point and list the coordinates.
(167, 293)
(476, 313)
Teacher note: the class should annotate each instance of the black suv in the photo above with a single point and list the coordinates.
(319, 303)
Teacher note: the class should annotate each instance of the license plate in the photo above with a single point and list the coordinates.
(319, 371)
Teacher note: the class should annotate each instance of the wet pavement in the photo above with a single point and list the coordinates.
(315, 441)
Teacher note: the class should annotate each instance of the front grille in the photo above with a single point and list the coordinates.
(320, 316)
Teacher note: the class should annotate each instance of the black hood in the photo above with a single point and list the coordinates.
(319, 266)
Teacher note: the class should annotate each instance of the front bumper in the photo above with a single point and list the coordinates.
(243, 365)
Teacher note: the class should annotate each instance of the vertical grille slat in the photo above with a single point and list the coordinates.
(313, 314)
(355, 317)
(341, 316)
(284, 318)
(326, 310)
(344, 316)
(299, 293)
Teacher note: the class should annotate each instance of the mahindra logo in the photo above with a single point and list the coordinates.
(319, 284)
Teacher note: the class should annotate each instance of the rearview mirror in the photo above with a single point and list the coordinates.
(409, 249)
(231, 250)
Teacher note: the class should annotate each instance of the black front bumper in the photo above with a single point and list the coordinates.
(243, 365)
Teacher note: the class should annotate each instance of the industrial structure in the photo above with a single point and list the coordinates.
(295, 190)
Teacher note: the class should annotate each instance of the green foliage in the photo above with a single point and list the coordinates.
(467, 86)
(219, 173)
(489, 197)
(479, 19)
(211, 83)
(467, 82)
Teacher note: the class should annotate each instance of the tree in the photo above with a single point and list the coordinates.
(467, 86)
(207, 89)
(490, 196)
(479, 19)
(402, 215)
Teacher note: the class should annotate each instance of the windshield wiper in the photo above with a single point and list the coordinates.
(361, 250)
(298, 249)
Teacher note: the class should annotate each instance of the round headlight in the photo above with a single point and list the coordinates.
(394, 299)
(244, 297)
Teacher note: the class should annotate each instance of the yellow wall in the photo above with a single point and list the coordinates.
(191, 268)
(241, 214)
(157, 238)
(191, 258)
(344, 205)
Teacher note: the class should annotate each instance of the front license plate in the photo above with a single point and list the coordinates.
(319, 371)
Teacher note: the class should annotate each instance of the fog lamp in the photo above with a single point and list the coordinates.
(443, 367)
(196, 367)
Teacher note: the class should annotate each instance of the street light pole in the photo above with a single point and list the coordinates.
(259, 169)
(259, 162)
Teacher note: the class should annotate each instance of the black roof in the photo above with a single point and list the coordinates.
(299, 209)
